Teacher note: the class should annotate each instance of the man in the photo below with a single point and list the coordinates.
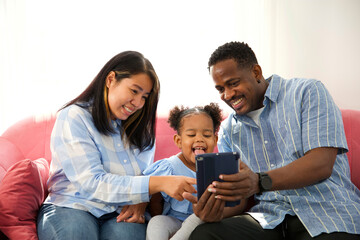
(291, 139)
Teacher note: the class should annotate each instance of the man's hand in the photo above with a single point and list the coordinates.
(236, 186)
(208, 208)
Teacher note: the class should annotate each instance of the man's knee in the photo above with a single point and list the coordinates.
(203, 231)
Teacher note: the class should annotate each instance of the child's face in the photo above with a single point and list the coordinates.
(196, 137)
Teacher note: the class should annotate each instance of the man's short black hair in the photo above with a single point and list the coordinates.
(239, 51)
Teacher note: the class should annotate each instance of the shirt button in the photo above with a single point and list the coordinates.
(125, 160)
(119, 144)
(266, 141)
(296, 210)
(272, 165)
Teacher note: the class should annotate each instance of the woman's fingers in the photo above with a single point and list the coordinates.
(191, 198)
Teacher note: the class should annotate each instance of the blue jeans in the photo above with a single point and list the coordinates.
(67, 223)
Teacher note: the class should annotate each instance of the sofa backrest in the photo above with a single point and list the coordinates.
(30, 139)
(351, 119)
(26, 139)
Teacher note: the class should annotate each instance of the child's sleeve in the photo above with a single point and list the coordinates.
(160, 168)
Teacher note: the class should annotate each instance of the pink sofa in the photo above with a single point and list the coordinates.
(28, 140)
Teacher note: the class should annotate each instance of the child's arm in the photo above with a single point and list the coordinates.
(156, 204)
(232, 211)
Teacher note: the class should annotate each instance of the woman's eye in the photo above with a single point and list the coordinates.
(134, 91)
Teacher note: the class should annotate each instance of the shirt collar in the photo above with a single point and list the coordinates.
(273, 90)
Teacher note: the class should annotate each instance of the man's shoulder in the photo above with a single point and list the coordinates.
(300, 82)
(231, 124)
(297, 85)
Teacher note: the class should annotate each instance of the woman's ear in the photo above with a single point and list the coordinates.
(177, 140)
(110, 78)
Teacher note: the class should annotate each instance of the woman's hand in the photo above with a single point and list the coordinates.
(174, 186)
(132, 213)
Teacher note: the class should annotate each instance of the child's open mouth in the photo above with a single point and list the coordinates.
(199, 150)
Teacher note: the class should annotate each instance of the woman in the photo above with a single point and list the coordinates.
(101, 142)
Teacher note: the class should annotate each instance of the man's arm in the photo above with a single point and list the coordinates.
(316, 165)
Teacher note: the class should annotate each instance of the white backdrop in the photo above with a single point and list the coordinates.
(51, 50)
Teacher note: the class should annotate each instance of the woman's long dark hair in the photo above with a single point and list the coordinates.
(140, 126)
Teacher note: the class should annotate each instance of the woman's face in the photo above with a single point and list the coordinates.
(128, 95)
(196, 137)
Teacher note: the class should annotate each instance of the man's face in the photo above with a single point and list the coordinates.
(239, 88)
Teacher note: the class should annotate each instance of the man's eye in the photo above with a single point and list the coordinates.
(234, 83)
(220, 90)
(134, 91)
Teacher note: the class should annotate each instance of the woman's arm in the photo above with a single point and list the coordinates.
(174, 186)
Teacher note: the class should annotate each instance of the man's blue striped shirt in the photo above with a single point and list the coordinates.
(299, 115)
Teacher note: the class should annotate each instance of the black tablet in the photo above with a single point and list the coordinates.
(210, 165)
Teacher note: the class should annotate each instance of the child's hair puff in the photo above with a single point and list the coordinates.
(177, 114)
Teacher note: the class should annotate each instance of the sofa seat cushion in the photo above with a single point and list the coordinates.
(22, 191)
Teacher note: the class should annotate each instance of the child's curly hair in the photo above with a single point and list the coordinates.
(178, 113)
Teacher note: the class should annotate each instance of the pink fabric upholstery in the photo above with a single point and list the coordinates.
(20, 201)
(351, 121)
(30, 139)
(165, 146)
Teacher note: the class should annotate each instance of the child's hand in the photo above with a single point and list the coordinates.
(132, 213)
(175, 186)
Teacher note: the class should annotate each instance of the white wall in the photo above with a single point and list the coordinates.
(51, 50)
(318, 39)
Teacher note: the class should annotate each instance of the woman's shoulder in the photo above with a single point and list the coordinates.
(74, 117)
(74, 111)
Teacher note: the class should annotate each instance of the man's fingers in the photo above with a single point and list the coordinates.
(204, 198)
(242, 165)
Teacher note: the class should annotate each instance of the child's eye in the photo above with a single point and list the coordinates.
(191, 135)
